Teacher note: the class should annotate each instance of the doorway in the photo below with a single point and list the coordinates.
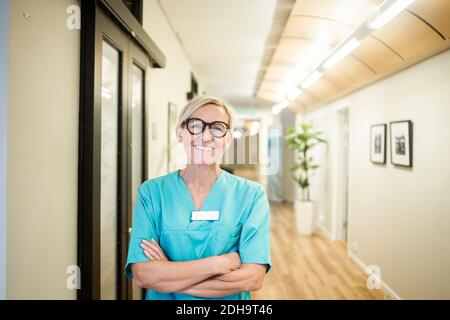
(341, 229)
(112, 161)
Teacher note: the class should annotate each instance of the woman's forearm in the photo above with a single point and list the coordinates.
(167, 276)
(249, 277)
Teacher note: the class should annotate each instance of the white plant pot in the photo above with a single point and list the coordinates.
(305, 217)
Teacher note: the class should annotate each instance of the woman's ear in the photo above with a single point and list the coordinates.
(178, 133)
(229, 139)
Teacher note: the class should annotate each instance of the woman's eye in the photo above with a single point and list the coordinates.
(219, 128)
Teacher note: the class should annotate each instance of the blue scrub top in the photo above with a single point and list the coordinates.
(163, 211)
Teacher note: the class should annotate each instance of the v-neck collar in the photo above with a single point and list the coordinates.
(217, 185)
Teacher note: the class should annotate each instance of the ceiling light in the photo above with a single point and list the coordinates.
(341, 53)
(283, 104)
(276, 110)
(311, 79)
(293, 94)
(253, 132)
(237, 134)
(387, 12)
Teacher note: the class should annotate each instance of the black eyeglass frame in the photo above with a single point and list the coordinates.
(206, 124)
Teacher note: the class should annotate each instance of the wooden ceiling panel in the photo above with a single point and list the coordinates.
(340, 80)
(267, 95)
(355, 69)
(376, 55)
(336, 10)
(434, 12)
(418, 32)
(289, 45)
(296, 106)
(409, 44)
(307, 99)
(284, 58)
(269, 86)
(277, 72)
(314, 27)
(323, 89)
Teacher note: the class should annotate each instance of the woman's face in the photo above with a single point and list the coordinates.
(205, 148)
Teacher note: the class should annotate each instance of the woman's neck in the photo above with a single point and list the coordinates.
(200, 176)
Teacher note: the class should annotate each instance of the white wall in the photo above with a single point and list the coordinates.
(4, 30)
(399, 218)
(165, 85)
(42, 150)
(287, 183)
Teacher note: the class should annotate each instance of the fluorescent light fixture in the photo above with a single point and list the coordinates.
(276, 110)
(311, 79)
(283, 104)
(237, 134)
(387, 14)
(341, 53)
(293, 94)
(253, 132)
(255, 125)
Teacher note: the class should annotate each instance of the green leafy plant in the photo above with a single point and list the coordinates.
(303, 139)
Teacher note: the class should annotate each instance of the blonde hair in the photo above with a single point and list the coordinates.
(201, 101)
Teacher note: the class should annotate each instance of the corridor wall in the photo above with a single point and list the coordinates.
(170, 84)
(398, 218)
(42, 149)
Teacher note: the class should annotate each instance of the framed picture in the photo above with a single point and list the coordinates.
(401, 143)
(378, 143)
(172, 139)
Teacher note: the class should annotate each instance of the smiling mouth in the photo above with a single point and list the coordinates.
(203, 148)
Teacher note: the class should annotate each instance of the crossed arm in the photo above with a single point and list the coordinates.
(216, 276)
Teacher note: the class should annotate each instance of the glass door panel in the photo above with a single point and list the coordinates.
(109, 170)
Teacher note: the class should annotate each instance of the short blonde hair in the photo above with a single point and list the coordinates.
(201, 101)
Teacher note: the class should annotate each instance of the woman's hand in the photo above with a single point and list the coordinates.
(153, 251)
(229, 262)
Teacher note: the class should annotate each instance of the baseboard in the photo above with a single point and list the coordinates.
(324, 230)
(386, 289)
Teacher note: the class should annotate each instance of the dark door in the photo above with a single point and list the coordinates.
(112, 156)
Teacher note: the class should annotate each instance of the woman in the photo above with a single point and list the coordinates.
(200, 232)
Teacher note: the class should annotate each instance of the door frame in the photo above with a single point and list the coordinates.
(88, 243)
(340, 206)
(4, 48)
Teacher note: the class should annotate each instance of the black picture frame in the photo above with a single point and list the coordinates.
(378, 143)
(401, 140)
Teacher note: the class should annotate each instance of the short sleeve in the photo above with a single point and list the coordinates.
(143, 228)
(254, 244)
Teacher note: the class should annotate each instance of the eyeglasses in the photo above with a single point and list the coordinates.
(196, 126)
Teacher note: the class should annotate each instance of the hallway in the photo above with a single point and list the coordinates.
(310, 267)
(121, 119)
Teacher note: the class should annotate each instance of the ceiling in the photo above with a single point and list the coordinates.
(252, 52)
(227, 41)
(315, 27)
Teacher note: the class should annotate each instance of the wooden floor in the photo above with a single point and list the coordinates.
(309, 267)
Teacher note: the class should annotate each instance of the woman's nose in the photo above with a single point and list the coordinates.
(206, 135)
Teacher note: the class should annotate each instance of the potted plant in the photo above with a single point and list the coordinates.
(303, 139)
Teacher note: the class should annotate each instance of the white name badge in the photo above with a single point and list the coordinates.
(205, 215)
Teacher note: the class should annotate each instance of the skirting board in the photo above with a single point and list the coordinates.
(386, 289)
(321, 227)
